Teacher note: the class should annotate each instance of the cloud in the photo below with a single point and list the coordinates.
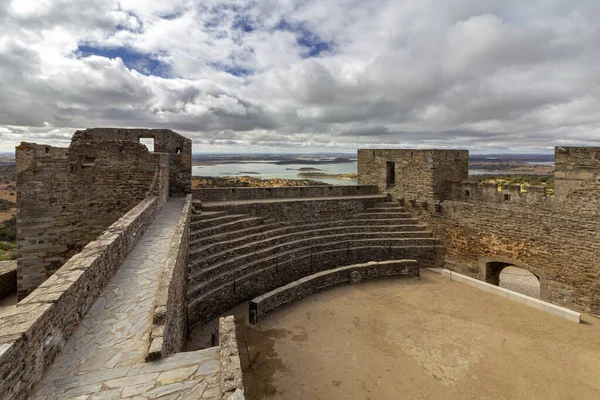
(488, 75)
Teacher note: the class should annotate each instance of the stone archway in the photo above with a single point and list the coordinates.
(512, 276)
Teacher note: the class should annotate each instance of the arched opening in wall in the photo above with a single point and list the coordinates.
(148, 142)
(511, 277)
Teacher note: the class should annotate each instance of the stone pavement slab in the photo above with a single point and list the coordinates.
(104, 358)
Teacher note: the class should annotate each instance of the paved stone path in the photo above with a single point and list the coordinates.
(104, 359)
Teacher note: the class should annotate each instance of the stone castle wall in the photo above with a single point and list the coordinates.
(178, 147)
(555, 237)
(36, 330)
(420, 175)
(68, 197)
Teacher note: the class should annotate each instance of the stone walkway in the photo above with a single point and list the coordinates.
(104, 359)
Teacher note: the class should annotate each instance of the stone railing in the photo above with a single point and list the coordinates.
(8, 278)
(261, 193)
(169, 320)
(36, 330)
(262, 305)
(232, 385)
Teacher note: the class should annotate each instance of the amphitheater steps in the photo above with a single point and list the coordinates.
(219, 262)
(232, 239)
(234, 254)
(299, 231)
(208, 222)
(210, 280)
(237, 224)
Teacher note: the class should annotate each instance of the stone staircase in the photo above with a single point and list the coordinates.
(235, 257)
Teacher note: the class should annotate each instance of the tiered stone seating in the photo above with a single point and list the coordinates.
(235, 257)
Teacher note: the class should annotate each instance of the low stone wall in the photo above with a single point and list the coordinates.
(169, 329)
(304, 287)
(36, 330)
(252, 279)
(231, 368)
(260, 193)
(304, 208)
(8, 278)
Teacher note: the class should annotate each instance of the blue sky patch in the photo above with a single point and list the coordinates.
(232, 69)
(312, 43)
(144, 63)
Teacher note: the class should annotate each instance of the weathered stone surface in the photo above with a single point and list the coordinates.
(170, 305)
(231, 369)
(554, 237)
(260, 306)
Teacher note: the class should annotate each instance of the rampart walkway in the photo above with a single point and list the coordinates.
(104, 359)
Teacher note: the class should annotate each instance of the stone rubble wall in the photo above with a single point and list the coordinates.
(263, 193)
(169, 331)
(232, 385)
(8, 278)
(177, 146)
(260, 306)
(560, 249)
(35, 331)
(420, 175)
(68, 197)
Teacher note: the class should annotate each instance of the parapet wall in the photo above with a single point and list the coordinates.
(36, 330)
(67, 197)
(262, 193)
(169, 331)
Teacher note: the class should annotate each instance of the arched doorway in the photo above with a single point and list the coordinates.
(511, 277)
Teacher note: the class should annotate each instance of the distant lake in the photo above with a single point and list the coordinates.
(266, 170)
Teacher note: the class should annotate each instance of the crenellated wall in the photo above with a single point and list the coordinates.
(555, 237)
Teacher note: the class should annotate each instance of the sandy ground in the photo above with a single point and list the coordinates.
(417, 339)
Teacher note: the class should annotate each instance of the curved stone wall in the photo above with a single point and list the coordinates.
(260, 306)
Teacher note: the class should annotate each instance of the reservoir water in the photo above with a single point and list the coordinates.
(266, 170)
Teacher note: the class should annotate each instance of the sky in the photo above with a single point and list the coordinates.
(307, 75)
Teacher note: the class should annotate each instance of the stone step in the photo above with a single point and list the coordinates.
(254, 245)
(297, 231)
(233, 287)
(196, 234)
(383, 215)
(202, 268)
(207, 215)
(205, 223)
(392, 211)
(208, 279)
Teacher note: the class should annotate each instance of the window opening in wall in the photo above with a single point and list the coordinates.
(148, 142)
(390, 168)
(178, 151)
(467, 193)
(507, 197)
